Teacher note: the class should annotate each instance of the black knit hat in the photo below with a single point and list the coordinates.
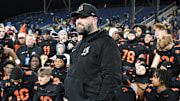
(62, 57)
(17, 73)
(133, 32)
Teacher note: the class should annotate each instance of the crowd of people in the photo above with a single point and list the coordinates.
(87, 63)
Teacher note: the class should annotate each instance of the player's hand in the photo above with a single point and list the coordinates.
(65, 99)
(14, 29)
(7, 28)
(70, 46)
(10, 98)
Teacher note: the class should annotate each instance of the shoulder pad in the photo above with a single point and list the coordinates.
(55, 82)
(35, 88)
(122, 42)
(36, 82)
(6, 78)
(177, 51)
(141, 43)
(28, 72)
(175, 89)
(177, 45)
(151, 43)
(39, 40)
(8, 38)
(148, 90)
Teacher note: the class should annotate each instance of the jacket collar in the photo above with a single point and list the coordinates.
(94, 35)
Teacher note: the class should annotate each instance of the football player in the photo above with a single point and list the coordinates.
(47, 44)
(19, 85)
(46, 89)
(159, 90)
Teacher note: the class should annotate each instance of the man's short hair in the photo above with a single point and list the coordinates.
(44, 71)
(36, 56)
(32, 35)
(159, 26)
(164, 77)
(7, 61)
(126, 30)
(17, 73)
(141, 26)
(2, 26)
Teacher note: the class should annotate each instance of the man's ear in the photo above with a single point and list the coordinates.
(161, 82)
(95, 19)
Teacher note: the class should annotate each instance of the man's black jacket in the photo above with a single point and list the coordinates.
(95, 69)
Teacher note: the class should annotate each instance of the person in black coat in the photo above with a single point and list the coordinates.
(24, 52)
(95, 67)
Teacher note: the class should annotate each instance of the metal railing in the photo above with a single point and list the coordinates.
(160, 12)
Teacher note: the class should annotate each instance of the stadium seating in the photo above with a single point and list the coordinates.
(105, 13)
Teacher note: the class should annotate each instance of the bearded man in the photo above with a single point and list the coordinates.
(95, 70)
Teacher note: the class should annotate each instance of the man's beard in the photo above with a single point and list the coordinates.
(64, 40)
(85, 30)
(21, 43)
